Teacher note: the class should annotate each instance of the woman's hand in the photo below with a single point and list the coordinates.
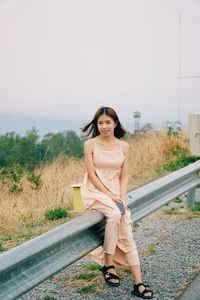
(124, 203)
(115, 198)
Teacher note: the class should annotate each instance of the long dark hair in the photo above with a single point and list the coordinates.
(91, 129)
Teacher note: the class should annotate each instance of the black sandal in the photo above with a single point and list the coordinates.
(137, 293)
(108, 276)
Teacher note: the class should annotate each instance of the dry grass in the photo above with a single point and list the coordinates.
(31, 204)
(147, 153)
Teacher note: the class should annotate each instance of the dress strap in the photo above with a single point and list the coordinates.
(120, 145)
(94, 143)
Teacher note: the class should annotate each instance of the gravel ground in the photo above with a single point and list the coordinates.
(169, 248)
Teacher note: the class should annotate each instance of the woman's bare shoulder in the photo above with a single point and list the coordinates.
(125, 145)
(89, 144)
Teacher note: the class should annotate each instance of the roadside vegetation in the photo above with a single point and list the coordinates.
(36, 175)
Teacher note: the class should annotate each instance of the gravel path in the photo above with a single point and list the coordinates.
(169, 248)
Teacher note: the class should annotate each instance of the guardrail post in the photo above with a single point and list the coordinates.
(78, 204)
(191, 198)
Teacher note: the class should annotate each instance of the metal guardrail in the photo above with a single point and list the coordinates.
(25, 266)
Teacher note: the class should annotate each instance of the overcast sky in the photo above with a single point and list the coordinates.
(65, 58)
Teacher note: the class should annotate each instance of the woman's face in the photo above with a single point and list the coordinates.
(106, 125)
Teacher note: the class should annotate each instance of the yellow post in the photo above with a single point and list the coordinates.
(78, 204)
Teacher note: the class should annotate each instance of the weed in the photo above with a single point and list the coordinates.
(49, 298)
(178, 200)
(57, 213)
(152, 249)
(136, 225)
(93, 267)
(1, 246)
(85, 276)
(171, 211)
(88, 282)
(90, 289)
(196, 208)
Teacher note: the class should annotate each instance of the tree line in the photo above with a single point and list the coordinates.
(23, 154)
(28, 152)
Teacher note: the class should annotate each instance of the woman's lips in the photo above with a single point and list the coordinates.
(105, 131)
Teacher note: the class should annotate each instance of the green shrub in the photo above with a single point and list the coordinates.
(181, 162)
(36, 180)
(197, 207)
(177, 152)
(12, 176)
(57, 213)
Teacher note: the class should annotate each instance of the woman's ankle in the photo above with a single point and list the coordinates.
(108, 259)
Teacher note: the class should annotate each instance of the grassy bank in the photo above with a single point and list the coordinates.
(148, 154)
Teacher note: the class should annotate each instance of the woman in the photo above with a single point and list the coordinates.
(104, 187)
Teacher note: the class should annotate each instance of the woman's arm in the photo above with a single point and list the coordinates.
(124, 173)
(89, 164)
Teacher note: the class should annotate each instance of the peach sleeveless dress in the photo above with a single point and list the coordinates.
(118, 238)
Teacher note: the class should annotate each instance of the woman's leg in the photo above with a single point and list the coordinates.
(136, 272)
(127, 242)
(109, 262)
(110, 241)
(111, 235)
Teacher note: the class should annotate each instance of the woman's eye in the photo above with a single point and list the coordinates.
(106, 122)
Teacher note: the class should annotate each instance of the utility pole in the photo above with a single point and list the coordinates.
(180, 76)
(179, 58)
